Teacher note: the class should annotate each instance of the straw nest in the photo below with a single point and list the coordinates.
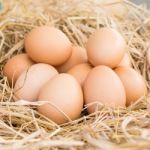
(21, 127)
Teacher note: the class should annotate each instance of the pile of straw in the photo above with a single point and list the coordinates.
(22, 128)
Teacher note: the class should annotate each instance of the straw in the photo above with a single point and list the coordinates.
(22, 127)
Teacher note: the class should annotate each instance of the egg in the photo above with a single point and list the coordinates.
(106, 46)
(30, 82)
(102, 85)
(133, 82)
(78, 56)
(15, 66)
(49, 45)
(125, 62)
(80, 72)
(65, 99)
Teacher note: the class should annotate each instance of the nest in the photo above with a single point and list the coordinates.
(21, 127)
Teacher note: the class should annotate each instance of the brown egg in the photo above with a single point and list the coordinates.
(133, 82)
(49, 45)
(65, 99)
(125, 62)
(15, 66)
(106, 46)
(104, 86)
(80, 72)
(78, 56)
(30, 82)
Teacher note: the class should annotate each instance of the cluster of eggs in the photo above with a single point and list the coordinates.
(69, 76)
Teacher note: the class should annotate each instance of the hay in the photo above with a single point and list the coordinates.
(21, 127)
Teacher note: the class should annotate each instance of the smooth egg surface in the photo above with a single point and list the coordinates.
(30, 82)
(49, 45)
(102, 85)
(78, 56)
(134, 85)
(15, 66)
(80, 72)
(125, 62)
(106, 46)
(65, 98)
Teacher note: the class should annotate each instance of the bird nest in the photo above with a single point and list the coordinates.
(22, 127)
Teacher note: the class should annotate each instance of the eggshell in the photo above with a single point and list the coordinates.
(125, 62)
(106, 46)
(15, 66)
(30, 82)
(65, 97)
(49, 45)
(80, 72)
(104, 86)
(133, 82)
(78, 56)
